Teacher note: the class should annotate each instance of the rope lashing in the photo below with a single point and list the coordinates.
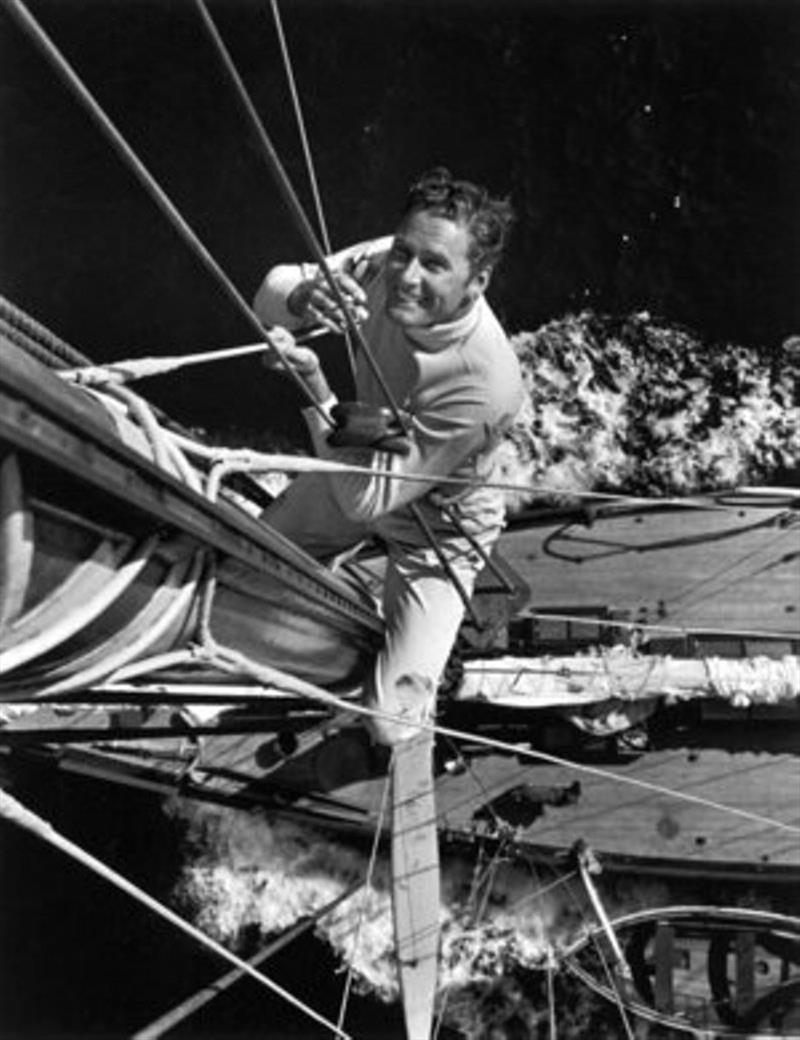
(15, 812)
(290, 197)
(36, 33)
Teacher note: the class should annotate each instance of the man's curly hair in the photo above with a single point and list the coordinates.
(488, 220)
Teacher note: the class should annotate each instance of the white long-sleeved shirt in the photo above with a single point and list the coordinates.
(459, 381)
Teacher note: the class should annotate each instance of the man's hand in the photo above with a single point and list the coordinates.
(303, 360)
(314, 301)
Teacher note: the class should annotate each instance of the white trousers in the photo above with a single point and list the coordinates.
(421, 607)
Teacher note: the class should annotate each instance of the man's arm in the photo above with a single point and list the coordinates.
(443, 438)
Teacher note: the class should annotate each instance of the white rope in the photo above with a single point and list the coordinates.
(130, 369)
(254, 461)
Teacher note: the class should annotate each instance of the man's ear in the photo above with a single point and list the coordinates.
(480, 282)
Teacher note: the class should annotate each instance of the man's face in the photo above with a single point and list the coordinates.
(429, 280)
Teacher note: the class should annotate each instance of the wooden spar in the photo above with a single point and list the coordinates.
(415, 880)
(588, 865)
(627, 678)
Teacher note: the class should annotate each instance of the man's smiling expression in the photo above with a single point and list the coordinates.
(429, 277)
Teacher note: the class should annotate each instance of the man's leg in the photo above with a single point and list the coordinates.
(423, 612)
(308, 514)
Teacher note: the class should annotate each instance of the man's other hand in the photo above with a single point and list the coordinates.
(284, 352)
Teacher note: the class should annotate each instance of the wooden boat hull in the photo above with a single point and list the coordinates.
(104, 550)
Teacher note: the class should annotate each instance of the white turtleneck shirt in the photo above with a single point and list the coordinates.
(461, 384)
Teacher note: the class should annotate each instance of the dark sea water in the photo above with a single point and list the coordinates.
(81, 959)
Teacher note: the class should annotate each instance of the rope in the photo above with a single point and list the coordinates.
(30, 334)
(445, 564)
(373, 856)
(231, 661)
(268, 462)
(476, 883)
(485, 556)
(72, 81)
(17, 813)
(30, 346)
(617, 998)
(145, 367)
(290, 197)
(636, 626)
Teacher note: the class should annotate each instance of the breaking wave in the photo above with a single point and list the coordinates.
(246, 871)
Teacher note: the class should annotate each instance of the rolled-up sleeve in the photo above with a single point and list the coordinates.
(270, 303)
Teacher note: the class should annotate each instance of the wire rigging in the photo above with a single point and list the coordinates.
(290, 197)
(37, 34)
(309, 161)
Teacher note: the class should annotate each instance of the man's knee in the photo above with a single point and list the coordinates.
(403, 703)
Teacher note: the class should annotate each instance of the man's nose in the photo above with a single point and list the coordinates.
(412, 270)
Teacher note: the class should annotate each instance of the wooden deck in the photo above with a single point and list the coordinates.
(335, 779)
(731, 571)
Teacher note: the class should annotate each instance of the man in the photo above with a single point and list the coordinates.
(419, 297)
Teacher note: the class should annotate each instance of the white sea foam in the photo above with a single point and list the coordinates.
(246, 871)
